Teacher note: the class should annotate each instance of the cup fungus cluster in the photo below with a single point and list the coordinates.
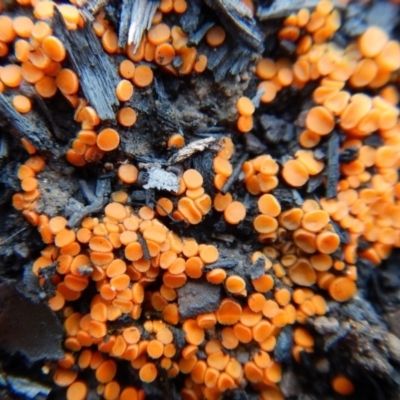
(135, 264)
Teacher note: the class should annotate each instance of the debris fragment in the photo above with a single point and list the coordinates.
(20, 317)
(162, 180)
(238, 20)
(97, 75)
(192, 148)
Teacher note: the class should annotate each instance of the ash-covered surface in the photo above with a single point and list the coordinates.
(198, 297)
(361, 338)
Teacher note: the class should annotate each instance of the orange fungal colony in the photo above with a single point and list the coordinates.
(134, 264)
(121, 285)
(41, 55)
(160, 45)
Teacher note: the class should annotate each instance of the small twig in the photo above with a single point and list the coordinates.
(333, 165)
(196, 37)
(2, 243)
(97, 201)
(162, 208)
(77, 217)
(87, 193)
(192, 148)
(228, 264)
(235, 174)
(143, 243)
